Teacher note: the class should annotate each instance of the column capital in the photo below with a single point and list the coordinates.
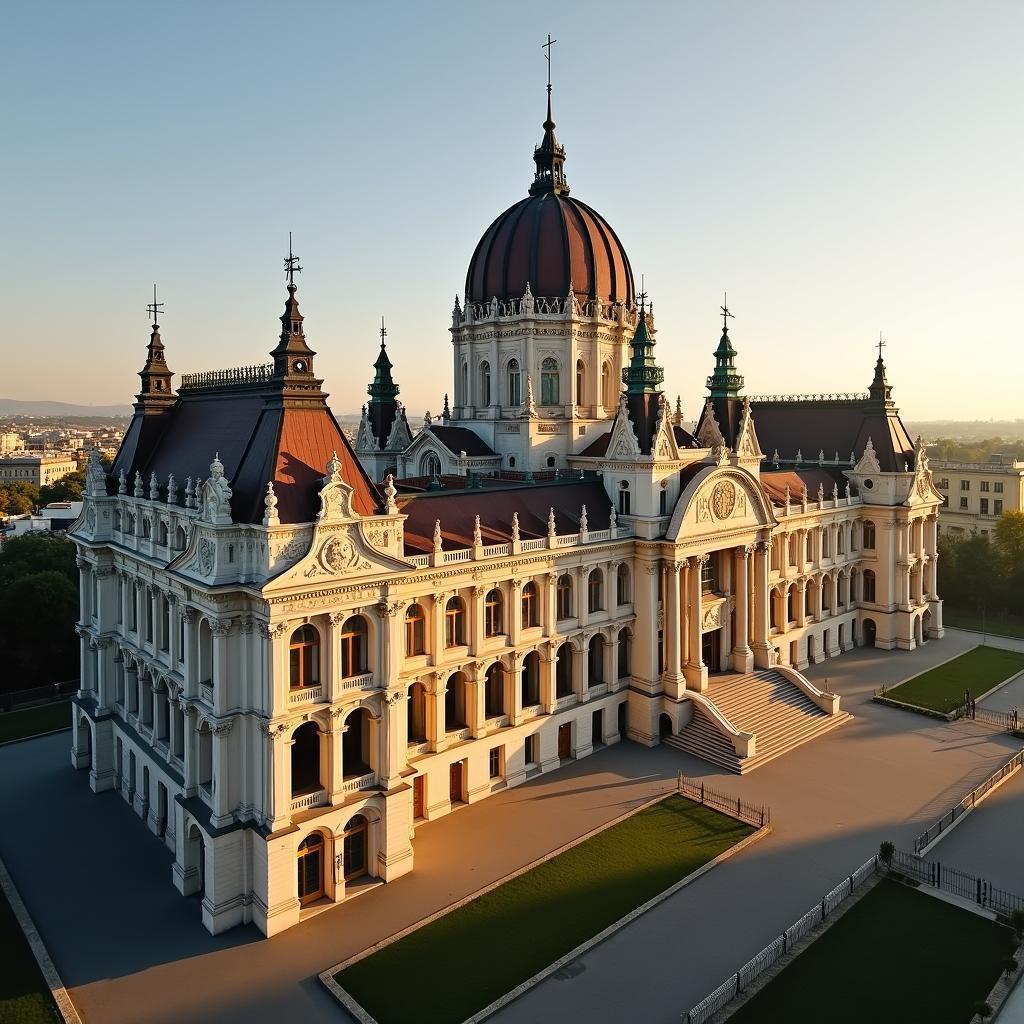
(674, 567)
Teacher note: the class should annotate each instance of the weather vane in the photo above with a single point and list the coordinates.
(725, 311)
(383, 332)
(156, 308)
(291, 264)
(643, 293)
(546, 47)
(881, 345)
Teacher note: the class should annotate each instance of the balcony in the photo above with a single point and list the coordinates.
(318, 798)
(360, 682)
(206, 692)
(359, 782)
(303, 694)
(566, 702)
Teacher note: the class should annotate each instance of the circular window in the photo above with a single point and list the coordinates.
(299, 366)
(869, 484)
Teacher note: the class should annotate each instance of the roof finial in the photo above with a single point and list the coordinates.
(156, 308)
(642, 296)
(546, 47)
(881, 345)
(549, 156)
(725, 311)
(291, 264)
(383, 331)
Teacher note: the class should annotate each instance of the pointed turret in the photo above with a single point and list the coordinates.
(383, 392)
(549, 157)
(880, 390)
(293, 358)
(643, 378)
(725, 382)
(156, 375)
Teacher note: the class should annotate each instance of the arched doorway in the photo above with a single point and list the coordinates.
(869, 632)
(306, 759)
(563, 671)
(355, 745)
(355, 847)
(664, 726)
(926, 625)
(310, 865)
(455, 702)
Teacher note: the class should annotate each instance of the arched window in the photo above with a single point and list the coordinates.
(549, 382)
(493, 691)
(417, 714)
(304, 658)
(581, 380)
(415, 623)
(595, 661)
(530, 680)
(163, 533)
(354, 847)
(353, 646)
(515, 385)
(455, 623)
(485, 383)
(563, 671)
(625, 645)
(355, 744)
(595, 590)
(607, 392)
(623, 497)
(455, 702)
(531, 605)
(622, 584)
(869, 586)
(430, 465)
(311, 868)
(492, 613)
(869, 536)
(563, 597)
(305, 759)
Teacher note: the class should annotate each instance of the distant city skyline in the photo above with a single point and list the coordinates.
(837, 171)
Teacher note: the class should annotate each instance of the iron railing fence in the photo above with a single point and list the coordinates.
(734, 806)
(779, 947)
(968, 802)
(38, 694)
(957, 882)
(1008, 721)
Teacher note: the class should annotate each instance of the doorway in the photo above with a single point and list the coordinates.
(161, 809)
(597, 729)
(664, 726)
(419, 797)
(354, 847)
(709, 650)
(623, 720)
(456, 792)
(311, 868)
(869, 632)
(565, 741)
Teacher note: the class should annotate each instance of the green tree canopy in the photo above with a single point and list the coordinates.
(1009, 538)
(38, 643)
(37, 552)
(18, 497)
(68, 488)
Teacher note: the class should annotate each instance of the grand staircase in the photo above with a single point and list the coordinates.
(779, 714)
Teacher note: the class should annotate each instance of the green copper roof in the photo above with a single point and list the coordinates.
(725, 382)
(383, 388)
(643, 375)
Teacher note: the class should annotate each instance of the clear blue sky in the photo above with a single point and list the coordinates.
(838, 168)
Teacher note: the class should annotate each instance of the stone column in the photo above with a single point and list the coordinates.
(550, 593)
(644, 666)
(764, 655)
(476, 619)
(673, 678)
(221, 773)
(435, 701)
(514, 699)
(476, 716)
(515, 612)
(742, 655)
(696, 672)
(437, 647)
(819, 584)
(191, 669)
(105, 669)
(582, 591)
(395, 746)
(191, 758)
(222, 699)
(581, 671)
(547, 678)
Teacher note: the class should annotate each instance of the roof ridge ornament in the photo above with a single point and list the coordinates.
(549, 156)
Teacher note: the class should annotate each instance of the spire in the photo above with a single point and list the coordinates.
(549, 156)
(880, 390)
(643, 375)
(156, 375)
(383, 389)
(725, 382)
(293, 358)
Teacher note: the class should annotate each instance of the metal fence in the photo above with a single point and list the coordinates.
(968, 803)
(37, 694)
(734, 806)
(959, 883)
(777, 948)
(1008, 721)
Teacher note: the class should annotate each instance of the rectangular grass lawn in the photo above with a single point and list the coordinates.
(897, 955)
(510, 933)
(24, 995)
(16, 725)
(942, 688)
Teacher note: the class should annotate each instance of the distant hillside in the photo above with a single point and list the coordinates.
(15, 407)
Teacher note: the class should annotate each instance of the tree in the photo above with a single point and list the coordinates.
(68, 488)
(37, 552)
(1009, 538)
(17, 498)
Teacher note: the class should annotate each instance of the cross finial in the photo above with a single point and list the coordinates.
(881, 345)
(725, 311)
(291, 264)
(546, 47)
(156, 308)
(643, 294)
(383, 332)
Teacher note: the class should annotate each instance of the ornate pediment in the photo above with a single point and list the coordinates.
(623, 445)
(664, 446)
(720, 500)
(709, 435)
(747, 445)
(868, 462)
(365, 440)
(335, 496)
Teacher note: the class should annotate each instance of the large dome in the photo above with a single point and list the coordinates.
(551, 242)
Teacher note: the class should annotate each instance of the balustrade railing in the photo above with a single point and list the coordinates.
(367, 781)
(306, 693)
(365, 681)
(317, 798)
(259, 374)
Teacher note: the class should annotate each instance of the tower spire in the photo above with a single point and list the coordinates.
(725, 382)
(293, 358)
(156, 375)
(881, 389)
(642, 376)
(549, 156)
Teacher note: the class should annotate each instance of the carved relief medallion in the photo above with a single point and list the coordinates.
(205, 559)
(723, 499)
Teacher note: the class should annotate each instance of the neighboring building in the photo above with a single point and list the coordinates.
(976, 494)
(57, 517)
(10, 443)
(36, 468)
(287, 667)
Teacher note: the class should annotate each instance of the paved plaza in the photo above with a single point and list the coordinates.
(130, 949)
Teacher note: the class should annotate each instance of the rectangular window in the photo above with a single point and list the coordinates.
(623, 503)
(963, 504)
(662, 502)
(965, 485)
(984, 487)
(494, 759)
(944, 484)
(984, 506)
(998, 487)
(709, 576)
(945, 501)
(532, 749)
(997, 507)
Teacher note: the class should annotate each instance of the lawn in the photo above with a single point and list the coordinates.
(942, 688)
(24, 996)
(995, 625)
(510, 933)
(16, 725)
(897, 955)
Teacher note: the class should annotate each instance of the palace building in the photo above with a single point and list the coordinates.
(294, 651)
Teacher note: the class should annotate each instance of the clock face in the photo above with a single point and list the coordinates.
(300, 366)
